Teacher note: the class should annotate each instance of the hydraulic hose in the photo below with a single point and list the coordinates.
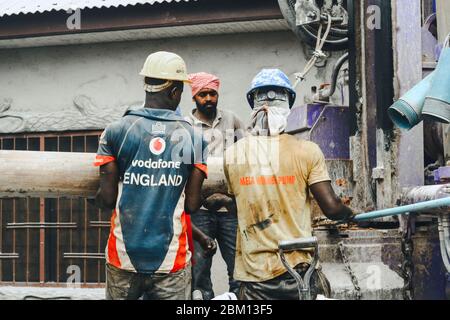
(443, 241)
(337, 67)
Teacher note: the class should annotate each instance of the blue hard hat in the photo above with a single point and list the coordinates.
(268, 78)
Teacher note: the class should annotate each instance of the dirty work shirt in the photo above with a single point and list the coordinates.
(225, 130)
(270, 177)
(149, 228)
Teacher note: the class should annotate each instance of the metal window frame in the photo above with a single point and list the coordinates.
(42, 225)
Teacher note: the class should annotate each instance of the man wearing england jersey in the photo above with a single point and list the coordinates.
(152, 167)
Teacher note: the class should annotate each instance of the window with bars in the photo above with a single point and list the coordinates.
(40, 238)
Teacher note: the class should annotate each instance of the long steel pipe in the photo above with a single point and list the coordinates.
(47, 174)
(440, 204)
(443, 204)
(71, 175)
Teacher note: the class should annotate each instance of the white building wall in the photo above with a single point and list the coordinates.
(47, 79)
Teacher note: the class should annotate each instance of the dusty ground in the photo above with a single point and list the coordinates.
(219, 275)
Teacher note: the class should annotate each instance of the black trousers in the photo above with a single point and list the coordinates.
(284, 287)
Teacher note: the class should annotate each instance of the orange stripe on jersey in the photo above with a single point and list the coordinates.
(202, 167)
(180, 260)
(113, 256)
(102, 160)
(189, 235)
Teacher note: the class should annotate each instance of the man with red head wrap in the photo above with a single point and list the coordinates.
(217, 217)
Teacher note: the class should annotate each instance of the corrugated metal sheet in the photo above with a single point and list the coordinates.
(14, 7)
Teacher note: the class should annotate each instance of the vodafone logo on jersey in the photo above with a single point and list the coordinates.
(157, 146)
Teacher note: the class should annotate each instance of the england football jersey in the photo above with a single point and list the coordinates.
(156, 151)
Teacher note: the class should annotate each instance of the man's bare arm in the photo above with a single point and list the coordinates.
(192, 191)
(192, 203)
(107, 193)
(329, 202)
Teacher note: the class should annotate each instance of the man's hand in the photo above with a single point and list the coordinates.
(209, 246)
(348, 220)
(217, 200)
(331, 205)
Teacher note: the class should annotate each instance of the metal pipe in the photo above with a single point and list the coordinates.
(47, 174)
(445, 253)
(442, 204)
(446, 230)
(303, 284)
(71, 175)
(424, 193)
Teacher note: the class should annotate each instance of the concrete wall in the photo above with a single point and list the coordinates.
(47, 79)
(443, 16)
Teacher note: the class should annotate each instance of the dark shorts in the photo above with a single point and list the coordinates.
(284, 287)
(125, 285)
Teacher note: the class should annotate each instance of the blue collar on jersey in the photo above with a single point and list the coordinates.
(156, 114)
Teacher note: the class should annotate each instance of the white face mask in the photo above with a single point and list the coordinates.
(270, 114)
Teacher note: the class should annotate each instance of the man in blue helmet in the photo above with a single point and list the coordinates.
(271, 175)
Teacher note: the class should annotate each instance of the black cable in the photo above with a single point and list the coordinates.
(336, 69)
(46, 298)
